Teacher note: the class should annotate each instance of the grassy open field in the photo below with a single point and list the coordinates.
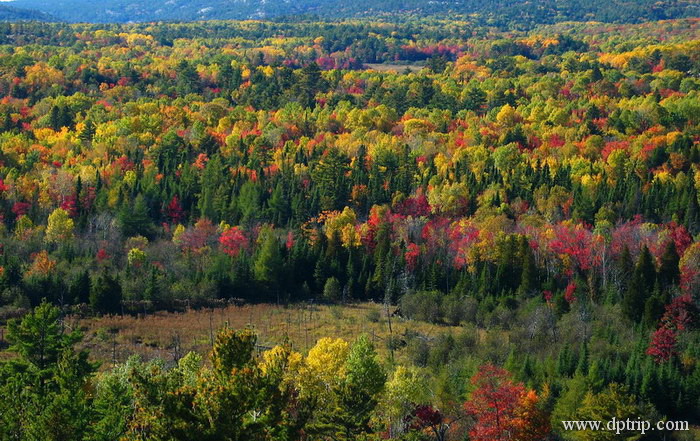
(396, 68)
(112, 339)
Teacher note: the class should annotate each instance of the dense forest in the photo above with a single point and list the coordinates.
(9, 13)
(537, 189)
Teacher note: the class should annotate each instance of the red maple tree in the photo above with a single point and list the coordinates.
(680, 315)
(411, 255)
(174, 210)
(570, 292)
(663, 344)
(233, 241)
(504, 409)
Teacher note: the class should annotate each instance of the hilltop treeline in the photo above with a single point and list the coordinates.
(505, 14)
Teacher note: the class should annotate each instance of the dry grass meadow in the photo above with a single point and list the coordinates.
(170, 335)
(396, 68)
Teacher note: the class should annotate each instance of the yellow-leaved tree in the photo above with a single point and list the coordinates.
(60, 227)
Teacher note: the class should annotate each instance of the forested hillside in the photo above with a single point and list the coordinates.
(504, 13)
(534, 193)
(9, 13)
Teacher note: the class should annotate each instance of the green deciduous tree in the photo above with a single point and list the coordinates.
(614, 402)
(355, 396)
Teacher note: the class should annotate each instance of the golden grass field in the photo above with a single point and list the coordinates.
(396, 68)
(169, 335)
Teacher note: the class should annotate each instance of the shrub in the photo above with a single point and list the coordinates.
(422, 305)
(454, 309)
(417, 349)
(373, 315)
